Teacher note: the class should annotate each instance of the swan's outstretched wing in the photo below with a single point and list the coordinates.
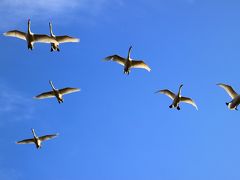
(229, 90)
(65, 39)
(116, 58)
(167, 93)
(47, 137)
(68, 90)
(140, 64)
(16, 33)
(44, 38)
(26, 141)
(44, 95)
(189, 101)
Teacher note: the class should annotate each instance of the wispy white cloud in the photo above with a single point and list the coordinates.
(14, 106)
(15, 11)
(31, 8)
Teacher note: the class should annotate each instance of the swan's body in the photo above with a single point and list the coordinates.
(37, 140)
(232, 105)
(177, 98)
(60, 39)
(128, 63)
(30, 37)
(58, 93)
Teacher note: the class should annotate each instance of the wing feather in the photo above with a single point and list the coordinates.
(68, 90)
(44, 95)
(16, 33)
(167, 93)
(140, 64)
(189, 101)
(228, 89)
(116, 58)
(47, 137)
(65, 39)
(26, 141)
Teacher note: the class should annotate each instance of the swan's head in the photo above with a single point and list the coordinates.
(33, 131)
(181, 85)
(29, 21)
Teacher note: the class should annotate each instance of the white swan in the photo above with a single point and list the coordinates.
(232, 105)
(30, 37)
(37, 140)
(128, 63)
(60, 39)
(177, 98)
(58, 93)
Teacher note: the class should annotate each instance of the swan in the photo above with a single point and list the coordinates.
(37, 140)
(58, 93)
(232, 105)
(177, 98)
(30, 37)
(60, 39)
(128, 63)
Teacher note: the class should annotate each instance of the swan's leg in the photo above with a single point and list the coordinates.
(51, 49)
(58, 49)
(30, 47)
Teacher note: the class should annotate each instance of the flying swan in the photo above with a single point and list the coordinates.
(177, 98)
(60, 39)
(128, 63)
(37, 140)
(58, 93)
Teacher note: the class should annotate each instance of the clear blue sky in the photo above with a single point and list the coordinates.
(116, 128)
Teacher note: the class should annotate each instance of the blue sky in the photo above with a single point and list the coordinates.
(116, 127)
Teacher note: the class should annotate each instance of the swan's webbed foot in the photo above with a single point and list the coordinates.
(58, 49)
(51, 49)
(227, 103)
(178, 108)
(236, 109)
(171, 106)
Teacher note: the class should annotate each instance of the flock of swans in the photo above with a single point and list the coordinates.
(127, 62)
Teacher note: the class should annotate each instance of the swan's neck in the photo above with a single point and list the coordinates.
(129, 53)
(179, 91)
(29, 28)
(52, 85)
(34, 134)
(51, 32)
